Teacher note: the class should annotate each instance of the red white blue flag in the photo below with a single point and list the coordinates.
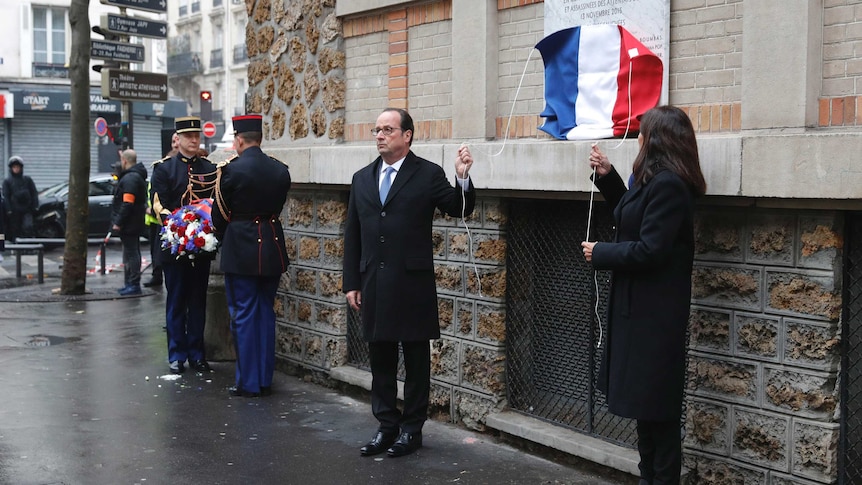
(598, 80)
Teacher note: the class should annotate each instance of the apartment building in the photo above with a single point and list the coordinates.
(34, 77)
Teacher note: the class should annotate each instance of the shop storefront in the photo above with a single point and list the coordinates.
(40, 130)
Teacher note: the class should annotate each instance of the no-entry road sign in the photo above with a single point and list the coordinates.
(209, 129)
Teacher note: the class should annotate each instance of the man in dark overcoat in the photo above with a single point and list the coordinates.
(127, 217)
(177, 181)
(389, 272)
(249, 197)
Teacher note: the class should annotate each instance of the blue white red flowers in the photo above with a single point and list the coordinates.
(188, 231)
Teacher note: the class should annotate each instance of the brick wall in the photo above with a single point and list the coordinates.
(430, 67)
(764, 347)
(519, 30)
(367, 77)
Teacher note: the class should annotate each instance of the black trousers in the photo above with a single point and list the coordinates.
(131, 259)
(384, 385)
(660, 449)
(155, 250)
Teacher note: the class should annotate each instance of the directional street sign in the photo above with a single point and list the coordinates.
(116, 51)
(134, 85)
(134, 26)
(158, 6)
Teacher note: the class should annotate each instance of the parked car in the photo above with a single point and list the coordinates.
(50, 220)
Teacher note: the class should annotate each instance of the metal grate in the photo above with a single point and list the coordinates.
(552, 330)
(850, 457)
(357, 347)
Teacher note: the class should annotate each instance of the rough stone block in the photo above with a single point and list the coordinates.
(483, 369)
(707, 470)
(761, 439)
(727, 286)
(446, 313)
(811, 294)
(450, 278)
(333, 252)
(330, 285)
(495, 214)
(464, 327)
(305, 281)
(779, 479)
(493, 282)
(821, 241)
(707, 426)
(815, 450)
(288, 342)
(770, 239)
(438, 243)
(718, 235)
(756, 336)
(309, 249)
(331, 318)
(440, 402)
(315, 350)
(444, 360)
(331, 214)
(811, 344)
(336, 352)
(471, 409)
(729, 380)
(491, 323)
(489, 248)
(800, 393)
(709, 330)
(300, 211)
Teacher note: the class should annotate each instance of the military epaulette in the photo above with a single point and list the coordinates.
(227, 161)
(277, 160)
(161, 161)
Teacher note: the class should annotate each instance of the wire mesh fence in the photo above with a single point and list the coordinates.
(553, 330)
(850, 466)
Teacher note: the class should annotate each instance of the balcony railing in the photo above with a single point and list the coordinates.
(239, 53)
(185, 64)
(216, 3)
(45, 69)
(216, 58)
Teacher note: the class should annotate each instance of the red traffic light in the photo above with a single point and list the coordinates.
(206, 96)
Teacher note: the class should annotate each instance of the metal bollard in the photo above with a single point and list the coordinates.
(102, 251)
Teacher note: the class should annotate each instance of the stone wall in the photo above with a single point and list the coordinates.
(765, 347)
(467, 362)
(296, 69)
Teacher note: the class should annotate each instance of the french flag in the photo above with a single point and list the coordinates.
(598, 80)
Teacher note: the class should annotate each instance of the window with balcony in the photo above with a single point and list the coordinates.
(184, 8)
(239, 53)
(216, 59)
(216, 3)
(196, 6)
(49, 42)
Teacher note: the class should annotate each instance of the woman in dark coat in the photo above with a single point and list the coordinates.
(650, 259)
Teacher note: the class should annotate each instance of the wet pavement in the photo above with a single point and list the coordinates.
(87, 399)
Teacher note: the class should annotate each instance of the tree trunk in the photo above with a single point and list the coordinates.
(74, 278)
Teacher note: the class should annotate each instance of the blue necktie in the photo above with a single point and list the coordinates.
(387, 182)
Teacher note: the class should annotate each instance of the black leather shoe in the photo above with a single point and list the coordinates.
(199, 365)
(236, 392)
(405, 444)
(153, 282)
(378, 444)
(176, 367)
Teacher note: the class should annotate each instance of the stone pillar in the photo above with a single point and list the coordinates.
(474, 68)
(782, 36)
(218, 341)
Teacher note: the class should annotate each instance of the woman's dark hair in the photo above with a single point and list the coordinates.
(406, 122)
(668, 143)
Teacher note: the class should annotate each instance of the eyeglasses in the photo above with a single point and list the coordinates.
(386, 131)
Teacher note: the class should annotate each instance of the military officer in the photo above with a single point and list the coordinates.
(249, 197)
(177, 181)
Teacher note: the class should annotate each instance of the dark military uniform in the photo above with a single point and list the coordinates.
(252, 190)
(177, 181)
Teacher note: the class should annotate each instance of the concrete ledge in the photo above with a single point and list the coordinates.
(358, 377)
(558, 438)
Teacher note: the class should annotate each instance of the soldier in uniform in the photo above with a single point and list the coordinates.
(249, 196)
(176, 182)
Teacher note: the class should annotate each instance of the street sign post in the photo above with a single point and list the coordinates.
(209, 129)
(116, 51)
(134, 85)
(101, 126)
(157, 6)
(133, 26)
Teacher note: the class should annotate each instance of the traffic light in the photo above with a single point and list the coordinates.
(206, 105)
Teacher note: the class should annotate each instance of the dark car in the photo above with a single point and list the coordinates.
(50, 220)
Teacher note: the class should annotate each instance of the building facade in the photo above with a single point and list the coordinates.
(772, 88)
(34, 73)
(207, 52)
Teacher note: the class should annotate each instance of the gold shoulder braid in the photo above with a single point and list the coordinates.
(218, 199)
